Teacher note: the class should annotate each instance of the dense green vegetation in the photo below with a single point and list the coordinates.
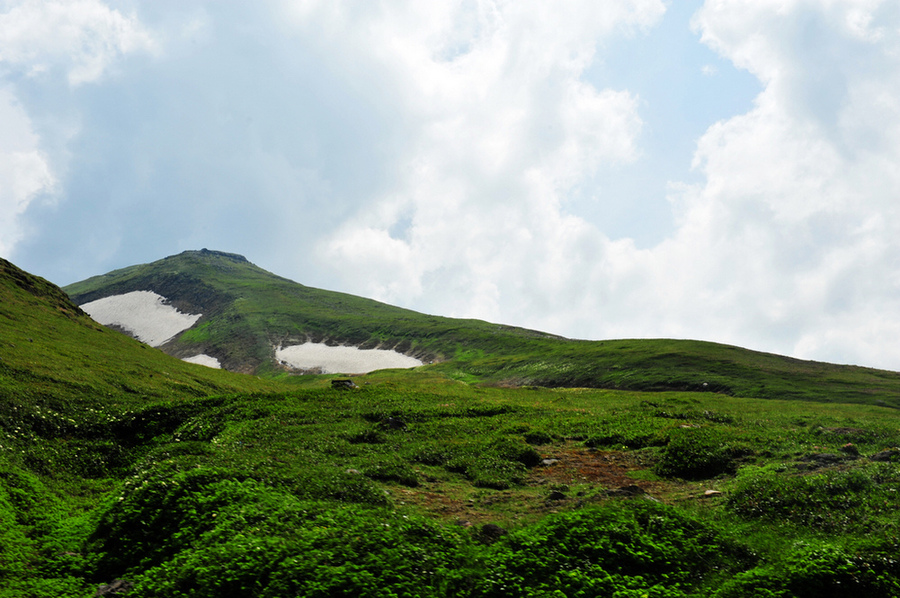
(121, 465)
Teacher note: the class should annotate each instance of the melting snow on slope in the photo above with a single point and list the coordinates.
(344, 360)
(143, 314)
(204, 359)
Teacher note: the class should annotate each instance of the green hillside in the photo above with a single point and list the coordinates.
(246, 311)
(126, 472)
(49, 346)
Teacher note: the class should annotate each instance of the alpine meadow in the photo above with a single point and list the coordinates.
(509, 463)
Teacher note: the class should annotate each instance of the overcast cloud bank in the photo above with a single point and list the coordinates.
(462, 158)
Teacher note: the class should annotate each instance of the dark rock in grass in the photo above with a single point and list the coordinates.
(343, 384)
(118, 587)
(490, 533)
(393, 423)
(842, 431)
(888, 455)
(817, 460)
(626, 491)
(556, 495)
(850, 449)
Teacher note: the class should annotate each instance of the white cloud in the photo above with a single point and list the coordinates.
(24, 171)
(792, 239)
(82, 36)
(504, 127)
(788, 245)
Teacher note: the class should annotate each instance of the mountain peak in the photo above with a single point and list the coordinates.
(235, 257)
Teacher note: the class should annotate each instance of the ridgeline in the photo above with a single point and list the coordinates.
(247, 312)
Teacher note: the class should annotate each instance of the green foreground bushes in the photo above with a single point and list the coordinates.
(423, 486)
(200, 533)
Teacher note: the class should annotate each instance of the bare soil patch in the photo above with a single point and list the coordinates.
(573, 477)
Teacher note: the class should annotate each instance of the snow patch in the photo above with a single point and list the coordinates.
(342, 360)
(143, 314)
(203, 359)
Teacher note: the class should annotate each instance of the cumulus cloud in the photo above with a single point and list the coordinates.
(83, 37)
(456, 157)
(504, 127)
(24, 171)
(788, 244)
(792, 239)
(79, 38)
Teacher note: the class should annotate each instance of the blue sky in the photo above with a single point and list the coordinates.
(722, 170)
(684, 88)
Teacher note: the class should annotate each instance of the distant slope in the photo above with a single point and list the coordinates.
(247, 311)
(52, 353)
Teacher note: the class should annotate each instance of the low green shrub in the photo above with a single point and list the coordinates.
(367, 436)
(392, 471)
(832, 500)
(821, 571)
(496, 464)
(699, 453)
(627, 549)
(205, 536)
(538, 437)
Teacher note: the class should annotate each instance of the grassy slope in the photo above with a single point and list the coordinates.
(664, 364)
(397, 487)
(52, 350)
(205, 483)
(247, 310)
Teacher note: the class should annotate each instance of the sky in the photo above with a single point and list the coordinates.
(726, 170)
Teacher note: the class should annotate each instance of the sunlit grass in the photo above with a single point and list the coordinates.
(119, 462)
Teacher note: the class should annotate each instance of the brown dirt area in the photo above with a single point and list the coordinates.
(579, 476)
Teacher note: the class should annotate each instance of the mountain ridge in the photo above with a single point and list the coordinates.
(248, 313)
(227, 286)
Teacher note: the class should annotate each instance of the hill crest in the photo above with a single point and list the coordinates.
(249, 314)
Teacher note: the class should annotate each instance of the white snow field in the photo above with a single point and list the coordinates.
(204, 359)
(143, 314)
(342, 360)
(146, 316)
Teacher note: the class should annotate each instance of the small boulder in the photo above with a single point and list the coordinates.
(490, 533)
(343, 384)
(888, 455)
(119, 587)
(850, 449)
